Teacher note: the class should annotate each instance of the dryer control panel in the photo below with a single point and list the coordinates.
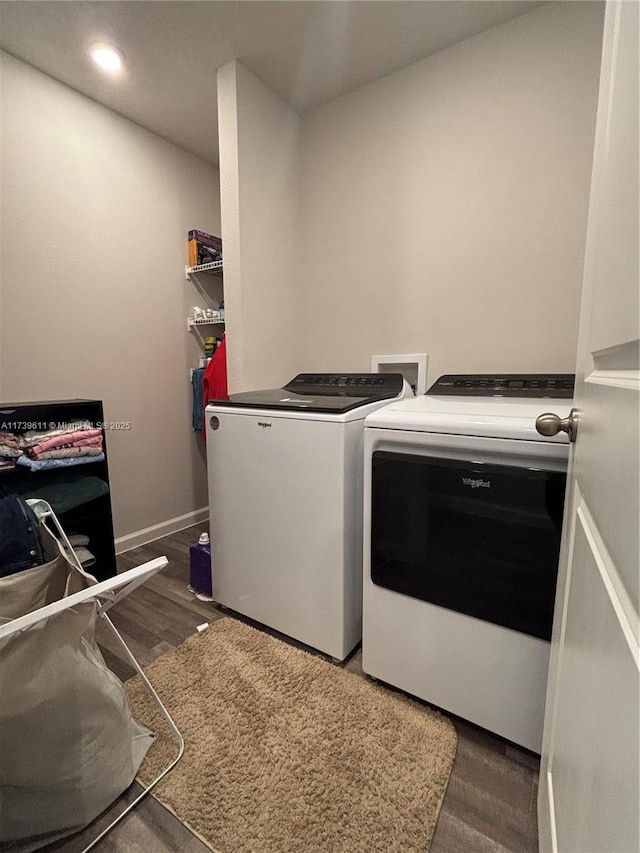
(558, 385)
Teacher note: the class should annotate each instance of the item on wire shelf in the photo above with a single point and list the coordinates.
(209, 346)
(203, 248)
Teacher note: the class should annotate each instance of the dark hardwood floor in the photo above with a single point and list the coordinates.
(490, 805)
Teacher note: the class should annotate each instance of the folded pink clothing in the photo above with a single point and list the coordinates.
(68, 452)
(94, 447)
(69, 438)
(91, 441)
(33, 437)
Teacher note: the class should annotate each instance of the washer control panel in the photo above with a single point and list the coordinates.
(338, 383)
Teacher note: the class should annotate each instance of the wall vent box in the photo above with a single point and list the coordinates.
(413, 366)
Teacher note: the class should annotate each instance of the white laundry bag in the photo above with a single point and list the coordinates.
(68, 743)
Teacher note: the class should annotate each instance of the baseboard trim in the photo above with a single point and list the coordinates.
(157, 531)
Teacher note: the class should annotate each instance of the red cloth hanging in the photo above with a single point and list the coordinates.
(214, 381)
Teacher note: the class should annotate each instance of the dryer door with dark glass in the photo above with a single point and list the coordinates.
(480, 539)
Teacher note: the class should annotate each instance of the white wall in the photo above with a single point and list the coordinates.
(259, 169)
(94, 219)
(441, 209)
(444, 207)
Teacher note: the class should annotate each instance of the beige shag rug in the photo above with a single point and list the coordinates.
(287, 753)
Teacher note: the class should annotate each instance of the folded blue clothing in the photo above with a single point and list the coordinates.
(45, 464)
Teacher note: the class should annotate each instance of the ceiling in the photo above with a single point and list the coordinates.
(309, 52)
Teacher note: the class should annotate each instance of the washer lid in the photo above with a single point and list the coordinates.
(334, 393)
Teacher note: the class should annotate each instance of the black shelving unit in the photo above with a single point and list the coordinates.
(80, 494)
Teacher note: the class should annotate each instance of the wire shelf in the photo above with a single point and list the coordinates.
(213, 267)
(205, 322)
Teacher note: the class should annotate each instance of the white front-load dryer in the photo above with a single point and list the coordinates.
(462, 525)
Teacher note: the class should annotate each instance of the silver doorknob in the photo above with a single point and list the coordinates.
(550, 424)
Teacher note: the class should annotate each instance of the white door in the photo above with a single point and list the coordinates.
(589, 784)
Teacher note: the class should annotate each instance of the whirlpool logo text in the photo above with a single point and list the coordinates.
(476, 484)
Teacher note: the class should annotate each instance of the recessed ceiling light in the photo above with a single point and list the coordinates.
(106, 57)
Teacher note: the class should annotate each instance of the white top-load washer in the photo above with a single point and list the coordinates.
(462, 523)
(285, 502)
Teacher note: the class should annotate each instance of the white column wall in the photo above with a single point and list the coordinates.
(259, 203)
